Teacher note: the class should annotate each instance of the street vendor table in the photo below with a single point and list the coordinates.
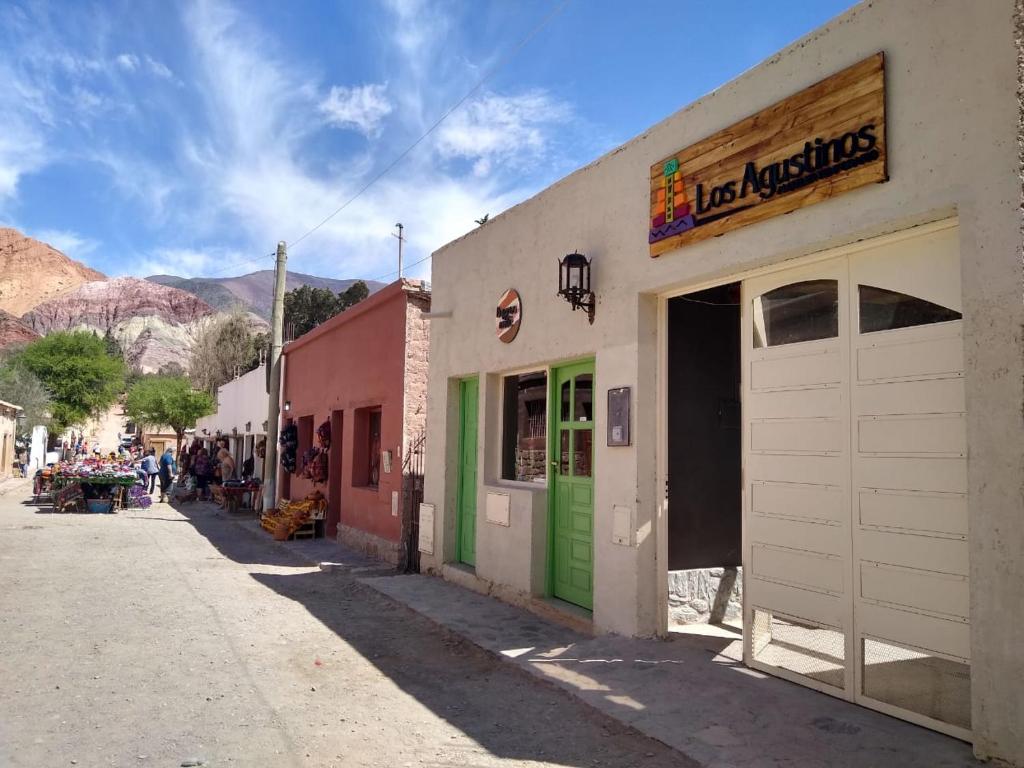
(118, 484)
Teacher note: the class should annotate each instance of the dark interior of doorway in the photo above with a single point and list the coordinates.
(704, 452)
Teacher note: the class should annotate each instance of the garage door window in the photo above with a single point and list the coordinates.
(804, 311)
(882, 310)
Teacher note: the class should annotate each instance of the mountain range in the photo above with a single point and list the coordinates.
(254, 291)
(155, 320)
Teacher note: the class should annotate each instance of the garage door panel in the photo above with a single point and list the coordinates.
(911, 397)
(948, 636)
(802, 603)
(934, 433)
(920, 512)
(810, 570)
(825, 470)
(917, 358)
(916, 589)
(818, 366)
(804, 435)
(823, 503)
(946, 475)
(783, 403)
(821, 537)
(929, 553)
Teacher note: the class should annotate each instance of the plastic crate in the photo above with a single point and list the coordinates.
(99, 505)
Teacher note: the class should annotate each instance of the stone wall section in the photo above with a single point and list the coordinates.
(704, 595)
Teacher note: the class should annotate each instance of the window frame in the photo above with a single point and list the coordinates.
(504, 422)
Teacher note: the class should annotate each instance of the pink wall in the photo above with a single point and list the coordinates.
(354, 361)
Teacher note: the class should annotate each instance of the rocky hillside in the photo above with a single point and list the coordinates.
(32, 271)
(154, 324)
(254, 292)
(13, 331)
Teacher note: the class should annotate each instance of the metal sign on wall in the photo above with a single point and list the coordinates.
(509, 315)
(814, 145)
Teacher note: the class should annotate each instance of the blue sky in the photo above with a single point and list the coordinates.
(189, 137)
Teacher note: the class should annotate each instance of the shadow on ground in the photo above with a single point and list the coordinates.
(692, 693)
(508, 713)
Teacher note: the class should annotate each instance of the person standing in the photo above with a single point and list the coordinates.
(23, 462)
(168, 469)
(151, 469)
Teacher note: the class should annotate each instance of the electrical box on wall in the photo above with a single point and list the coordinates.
(622, 525)
(427, 528)
(497, 508)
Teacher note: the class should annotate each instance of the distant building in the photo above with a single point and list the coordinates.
(240, 418)
(362, 378)
(8, 433)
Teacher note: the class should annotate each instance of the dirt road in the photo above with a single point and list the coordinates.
(148, 638)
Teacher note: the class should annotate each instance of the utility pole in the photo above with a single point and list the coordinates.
(401, 240)
(273, 410)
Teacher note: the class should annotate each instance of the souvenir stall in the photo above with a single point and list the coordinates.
(298, 519)
(94, 485)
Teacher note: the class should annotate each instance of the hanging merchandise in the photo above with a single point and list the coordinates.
(289, 446)
(323, 435)
(315, 465)
(261, 448)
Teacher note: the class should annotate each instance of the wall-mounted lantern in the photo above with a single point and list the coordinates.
(248, 426)
(287, 405)
(234, 431)
(574, 283)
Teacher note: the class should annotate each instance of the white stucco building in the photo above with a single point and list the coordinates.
(240, 417)
(828, 400)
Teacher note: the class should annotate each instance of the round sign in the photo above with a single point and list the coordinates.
(509, 315)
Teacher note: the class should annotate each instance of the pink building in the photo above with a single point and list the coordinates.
(361, 377)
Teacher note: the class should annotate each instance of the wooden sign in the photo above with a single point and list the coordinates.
(816, 144)
(509, 315)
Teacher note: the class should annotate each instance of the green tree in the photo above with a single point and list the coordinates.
(82, 379)
(224, 348)
(306, 307)
(156, 401)
(352, 295)
(113, 346)
(21, 387)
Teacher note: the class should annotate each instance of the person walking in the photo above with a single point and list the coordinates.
(168, 469)
(151, 469)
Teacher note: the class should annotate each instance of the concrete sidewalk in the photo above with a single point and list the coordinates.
(691, 692)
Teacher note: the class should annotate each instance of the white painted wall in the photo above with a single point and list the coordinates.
(951, 131)
(240, 401)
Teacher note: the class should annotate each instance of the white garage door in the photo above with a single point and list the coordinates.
(855, 535)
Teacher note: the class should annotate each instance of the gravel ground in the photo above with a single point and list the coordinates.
(149, 638)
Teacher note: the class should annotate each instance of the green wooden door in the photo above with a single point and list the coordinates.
(572, 493)
(469, 391)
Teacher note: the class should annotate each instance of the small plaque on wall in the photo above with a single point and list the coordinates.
(618, 416)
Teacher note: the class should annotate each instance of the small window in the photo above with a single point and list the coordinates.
(583, 409)
(366, 445)
(524, 432)
(805, 311)
(883, 310)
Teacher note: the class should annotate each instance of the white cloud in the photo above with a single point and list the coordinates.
(69, 243)
(183, 262)
(129, 62)
(361, 107)
(501, 128)
(158, 68)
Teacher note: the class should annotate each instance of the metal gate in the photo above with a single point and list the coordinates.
(412, 497)
(855, 509)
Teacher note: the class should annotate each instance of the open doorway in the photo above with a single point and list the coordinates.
(705, 511)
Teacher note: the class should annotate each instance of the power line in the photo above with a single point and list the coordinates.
(476, 87)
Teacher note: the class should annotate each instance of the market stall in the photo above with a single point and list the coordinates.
(94, 485)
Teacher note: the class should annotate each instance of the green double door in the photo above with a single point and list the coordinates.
(469, 399)
(572, 484)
